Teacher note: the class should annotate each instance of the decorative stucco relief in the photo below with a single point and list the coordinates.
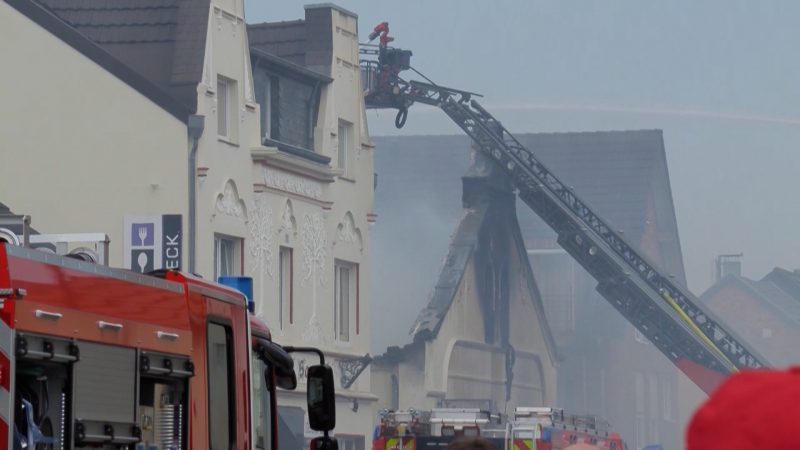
(285, 181)
(229, 202)
(261, 243)
(219, 18)
(314, 253)
(288, 228)
(347, 232)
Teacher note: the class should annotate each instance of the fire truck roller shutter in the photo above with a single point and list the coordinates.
(105, 394)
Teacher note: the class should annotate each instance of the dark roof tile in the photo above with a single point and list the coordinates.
(284, 39)
(180, 25)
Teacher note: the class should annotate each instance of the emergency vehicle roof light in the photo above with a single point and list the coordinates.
(243, 285)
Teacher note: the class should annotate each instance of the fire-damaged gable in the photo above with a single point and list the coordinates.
(482, 340)
(623, 175)
(486, 235)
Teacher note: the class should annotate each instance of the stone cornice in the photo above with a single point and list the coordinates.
(272, 156)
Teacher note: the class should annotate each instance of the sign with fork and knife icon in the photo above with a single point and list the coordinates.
(153, 242)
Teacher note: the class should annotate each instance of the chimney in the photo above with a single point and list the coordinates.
(729, 264)
(322, 21)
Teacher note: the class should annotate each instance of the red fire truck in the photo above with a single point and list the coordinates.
(530, 428)
(543, 428)
(93, 357)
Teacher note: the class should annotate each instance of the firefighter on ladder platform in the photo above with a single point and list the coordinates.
(386, 70)
(391, 61)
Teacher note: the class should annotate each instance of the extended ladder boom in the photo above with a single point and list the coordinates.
(664, 311)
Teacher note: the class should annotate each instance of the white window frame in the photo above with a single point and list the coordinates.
(285, 286)
(344, 308)
(640, 408)
(227, 105)
(345, 142)
(234, 263)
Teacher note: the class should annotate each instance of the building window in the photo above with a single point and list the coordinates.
(640, 400)
(350, 442)
(226, 108)
(667, 400)
(267, 90)
(557, 279)
(345, 298)
(221, 394)
(285, 279)
(345, 141)
(227, 256)
(766, 333)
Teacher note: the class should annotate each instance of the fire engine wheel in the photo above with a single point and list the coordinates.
(400, 118)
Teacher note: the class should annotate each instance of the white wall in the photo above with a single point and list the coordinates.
(80, 147)
(458, 364)
(225, 200)
(271, 199)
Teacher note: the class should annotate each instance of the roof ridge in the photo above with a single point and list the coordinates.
(115, 8)
(120, 24)
(274, 24)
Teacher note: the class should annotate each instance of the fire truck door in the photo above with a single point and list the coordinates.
(228, 354)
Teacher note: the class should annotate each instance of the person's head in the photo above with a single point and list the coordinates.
(754, 409)
(471, 444)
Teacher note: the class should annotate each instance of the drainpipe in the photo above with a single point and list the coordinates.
(195, 128)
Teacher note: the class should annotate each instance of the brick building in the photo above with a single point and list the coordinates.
(765, 312)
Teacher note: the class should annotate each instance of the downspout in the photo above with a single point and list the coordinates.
(195, 127)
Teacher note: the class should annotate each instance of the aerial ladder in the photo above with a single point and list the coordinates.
(667, 313)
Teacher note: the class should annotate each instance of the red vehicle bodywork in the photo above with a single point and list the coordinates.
(60, 297)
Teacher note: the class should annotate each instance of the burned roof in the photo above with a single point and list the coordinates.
(621, 174)
(162, 40)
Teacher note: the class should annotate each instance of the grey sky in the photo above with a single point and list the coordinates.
(719, 77)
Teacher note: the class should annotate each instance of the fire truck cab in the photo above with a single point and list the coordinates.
(544, 428)
(94, 357)
(414, 429)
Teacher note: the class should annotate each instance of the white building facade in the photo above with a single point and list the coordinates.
(132, 162)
